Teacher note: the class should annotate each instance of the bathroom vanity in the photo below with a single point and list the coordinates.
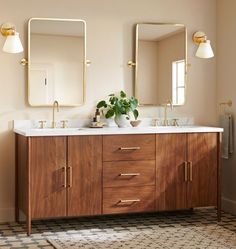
(83, 172)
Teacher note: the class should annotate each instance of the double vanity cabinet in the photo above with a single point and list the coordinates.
(88, 173)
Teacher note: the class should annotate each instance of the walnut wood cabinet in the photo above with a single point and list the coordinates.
(65, 176)
(190, 165)
(47, 171)
(58, 176)
(129, 173)
(171, 155)
(84, 175)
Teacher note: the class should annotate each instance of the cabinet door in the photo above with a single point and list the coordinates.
(171, 184)
(84, 175)
(202, 155)
(47, 176)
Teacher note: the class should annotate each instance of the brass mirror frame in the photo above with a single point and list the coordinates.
(85, 62)
(136, 59)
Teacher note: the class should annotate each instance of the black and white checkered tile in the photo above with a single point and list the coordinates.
(177, 224)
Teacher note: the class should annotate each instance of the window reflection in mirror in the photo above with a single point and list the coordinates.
(160, 63)
(56, 61)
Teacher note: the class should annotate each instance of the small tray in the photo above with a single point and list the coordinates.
(91, 126)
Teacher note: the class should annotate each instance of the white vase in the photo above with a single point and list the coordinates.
(122, 121)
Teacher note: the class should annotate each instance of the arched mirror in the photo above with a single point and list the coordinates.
(57, 61)
(160, 65)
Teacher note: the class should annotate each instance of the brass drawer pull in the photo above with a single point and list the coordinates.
(70, 176)
(129, 148)
(190, 171)
(127, 201)
(185, 171)
(65, 176)
(129, 174)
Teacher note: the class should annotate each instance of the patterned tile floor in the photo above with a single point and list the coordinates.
(12, 235)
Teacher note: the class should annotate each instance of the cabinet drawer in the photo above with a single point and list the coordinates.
(128, 147)
(128, 200)
(129, 173)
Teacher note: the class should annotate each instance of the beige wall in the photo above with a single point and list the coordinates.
(110, 30)
(226, 87)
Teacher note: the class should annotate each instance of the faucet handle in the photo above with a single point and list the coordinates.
(64, 123)
(155, 121)
(42, 124)
(175, 122)
(165, 122)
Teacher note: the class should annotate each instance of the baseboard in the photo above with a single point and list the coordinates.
(229, 205)
(7, 215)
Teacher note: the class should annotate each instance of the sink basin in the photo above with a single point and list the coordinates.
(56, 129)
(174, 127)
(164, 127)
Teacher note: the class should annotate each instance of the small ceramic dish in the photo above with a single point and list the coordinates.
(135, 123)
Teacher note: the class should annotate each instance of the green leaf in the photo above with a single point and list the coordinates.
(135, 112)
(113, 99)
(134, 103)
(118, 105)
(102, 104)
(110, 113)
(122, 94)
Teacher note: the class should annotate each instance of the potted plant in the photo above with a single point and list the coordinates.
(120, 107)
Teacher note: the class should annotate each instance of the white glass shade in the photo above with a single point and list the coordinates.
(13, 44)
(205, 50)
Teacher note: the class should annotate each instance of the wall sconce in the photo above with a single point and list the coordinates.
(12, 43)
(204, 46)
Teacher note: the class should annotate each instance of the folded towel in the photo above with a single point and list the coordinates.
(226, 122)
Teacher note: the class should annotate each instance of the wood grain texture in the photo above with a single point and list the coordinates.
(47, 159)
(145, 169)
(219, 165)
(22, 173)
(16, 180)
(85, 158)
(29, 207)
(170, 184)
(113, 196)
(202, 152)
(113, 143)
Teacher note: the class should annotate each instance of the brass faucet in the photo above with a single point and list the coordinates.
(55, 104)
(168, 103)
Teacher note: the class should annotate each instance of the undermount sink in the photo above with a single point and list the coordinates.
(174, 127)
(56, 129)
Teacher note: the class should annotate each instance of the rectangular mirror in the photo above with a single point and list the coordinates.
(161, 59)
(57, 61)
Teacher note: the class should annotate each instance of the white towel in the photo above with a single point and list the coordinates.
(226, 122)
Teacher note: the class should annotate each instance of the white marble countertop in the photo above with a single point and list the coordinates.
(34, 132)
